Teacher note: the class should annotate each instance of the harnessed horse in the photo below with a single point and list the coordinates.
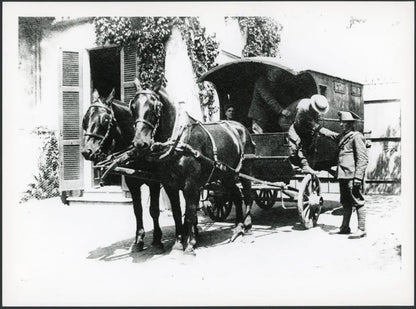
(196, 155)
(108, 129)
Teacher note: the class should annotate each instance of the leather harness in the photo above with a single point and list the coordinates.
(112, 122)
(176, 143)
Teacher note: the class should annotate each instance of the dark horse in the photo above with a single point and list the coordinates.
(158, 123)
(109, 128)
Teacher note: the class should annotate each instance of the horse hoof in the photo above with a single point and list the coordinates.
(238, 231)
(177, 246)
(189, 251)
(308, 225)
(157, 245)
(137, 247)
(248, 232)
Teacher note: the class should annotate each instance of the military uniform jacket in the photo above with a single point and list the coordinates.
(352, 158)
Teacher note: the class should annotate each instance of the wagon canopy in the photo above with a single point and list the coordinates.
(234, 82)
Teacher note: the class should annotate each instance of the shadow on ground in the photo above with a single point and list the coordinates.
(211, 234)
(218, 235)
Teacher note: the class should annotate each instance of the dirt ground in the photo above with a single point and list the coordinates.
(76, 255)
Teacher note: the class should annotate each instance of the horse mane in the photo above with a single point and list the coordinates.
(124, 119)
(164, 96)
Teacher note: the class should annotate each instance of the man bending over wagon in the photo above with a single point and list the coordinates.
(305, 127)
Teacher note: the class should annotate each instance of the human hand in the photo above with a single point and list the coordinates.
(286, 113)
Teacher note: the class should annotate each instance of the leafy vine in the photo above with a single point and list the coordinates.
(46, 181)
(149, 35)
(263, 36)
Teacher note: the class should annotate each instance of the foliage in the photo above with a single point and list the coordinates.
(149, 35)
(46, 182)
(31, 28)
(263, 36)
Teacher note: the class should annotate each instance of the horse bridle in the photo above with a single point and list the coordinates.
(111, 123)
(158, 113)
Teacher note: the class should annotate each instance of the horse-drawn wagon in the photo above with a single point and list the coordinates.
(234, 83)
(184, 154)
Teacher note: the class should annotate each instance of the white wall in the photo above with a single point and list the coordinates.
(228, 34)
(181, 81)
(77, 38)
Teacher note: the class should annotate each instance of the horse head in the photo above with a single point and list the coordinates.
(99, 124)
(146, 108)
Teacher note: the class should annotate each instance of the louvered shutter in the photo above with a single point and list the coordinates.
(128, 65)
(128, 73)
(71, 176)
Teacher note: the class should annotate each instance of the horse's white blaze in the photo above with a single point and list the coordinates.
(142, 100)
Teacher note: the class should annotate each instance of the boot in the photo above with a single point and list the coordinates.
(345, 226)
(361, 232)
(341, 230)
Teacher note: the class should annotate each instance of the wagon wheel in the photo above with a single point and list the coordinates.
(265, 198)
(310, 200)
(217, 205)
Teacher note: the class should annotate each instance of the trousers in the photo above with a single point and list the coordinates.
(351, 196)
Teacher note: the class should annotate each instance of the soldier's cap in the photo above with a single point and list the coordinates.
(348, 116)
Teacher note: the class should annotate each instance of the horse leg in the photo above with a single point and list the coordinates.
(236, 198)
(177, 216)
(191, 194)
(134, 187)
(154, 189)
(248, 201)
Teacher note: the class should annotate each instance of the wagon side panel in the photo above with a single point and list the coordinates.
(271, 162)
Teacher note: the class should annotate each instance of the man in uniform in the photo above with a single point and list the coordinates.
(304, 129)
(352, 163)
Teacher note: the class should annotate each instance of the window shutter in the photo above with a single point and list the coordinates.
(70, 167)
(128, 73)
(128, 70)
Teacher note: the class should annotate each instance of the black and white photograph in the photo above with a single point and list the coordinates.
(169, 153)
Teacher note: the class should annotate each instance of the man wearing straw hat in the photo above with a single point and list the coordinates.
(304, 128)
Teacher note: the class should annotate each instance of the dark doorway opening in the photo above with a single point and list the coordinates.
(105, 71)
(105, 75)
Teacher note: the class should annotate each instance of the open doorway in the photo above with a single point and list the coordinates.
(105, 75)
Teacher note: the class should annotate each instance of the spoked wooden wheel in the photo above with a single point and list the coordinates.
(310, 201)
(217, 205)
(265, 198)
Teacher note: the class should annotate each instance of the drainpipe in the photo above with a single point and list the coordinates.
(37, 70)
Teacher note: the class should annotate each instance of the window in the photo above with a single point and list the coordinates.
(355, 91)
(339, 87)
(322, 90)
